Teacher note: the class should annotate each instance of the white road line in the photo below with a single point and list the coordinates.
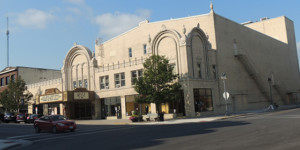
(42, 135)
(21, 136)
(72, 135)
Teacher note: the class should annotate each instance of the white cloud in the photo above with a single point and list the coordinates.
(117, 23)
(77, 2)
(69, 19)
(74, 10)
(34, 18)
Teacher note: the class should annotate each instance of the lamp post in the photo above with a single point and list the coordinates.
(225, 94)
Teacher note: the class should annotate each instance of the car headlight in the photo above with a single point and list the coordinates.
(61, 124)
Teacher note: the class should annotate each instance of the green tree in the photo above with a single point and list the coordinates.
(4, 99)
(158, 84)
(13, 98)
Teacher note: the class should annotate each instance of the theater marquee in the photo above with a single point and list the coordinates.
(51, 98)
(81, 95)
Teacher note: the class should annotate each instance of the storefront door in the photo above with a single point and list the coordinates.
(83, 110)
(111, 107)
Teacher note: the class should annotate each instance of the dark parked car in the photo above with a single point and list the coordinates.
(8, 116)
(21, 118)
(54, 123)
(1, 117)
(31, 118)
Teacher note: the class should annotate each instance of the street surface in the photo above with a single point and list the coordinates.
(277, 130)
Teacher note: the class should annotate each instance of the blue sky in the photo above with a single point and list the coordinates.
(42, 31)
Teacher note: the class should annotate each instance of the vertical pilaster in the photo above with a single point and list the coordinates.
(62, 108)
(153, 108)
(189, 100)
(123, 107)
(97, 109)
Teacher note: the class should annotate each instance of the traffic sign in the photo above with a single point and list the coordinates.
(226, 95)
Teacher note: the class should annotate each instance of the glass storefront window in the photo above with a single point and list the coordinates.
(111, 106)
(53, 109)
(131, 106)
(203, 100)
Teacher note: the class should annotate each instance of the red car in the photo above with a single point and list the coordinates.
(54, 123)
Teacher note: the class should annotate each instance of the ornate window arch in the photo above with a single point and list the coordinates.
(67, 69)
(197, 34)
(173, 36)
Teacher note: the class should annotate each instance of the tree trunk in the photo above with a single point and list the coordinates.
(158, 110)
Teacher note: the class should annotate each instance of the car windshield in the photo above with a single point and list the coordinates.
(57, 118)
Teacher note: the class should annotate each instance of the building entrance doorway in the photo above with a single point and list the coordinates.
(82, 110)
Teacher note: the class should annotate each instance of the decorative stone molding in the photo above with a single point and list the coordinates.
(149, 44)
(183, 38)
(163, 27)
(68, 62)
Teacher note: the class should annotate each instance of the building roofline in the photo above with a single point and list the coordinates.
(154, 23)
(11, 68)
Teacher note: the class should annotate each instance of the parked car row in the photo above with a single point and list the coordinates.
(21, 117)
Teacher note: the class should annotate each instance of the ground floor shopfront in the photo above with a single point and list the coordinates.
(122, 107)
(82, 104)
(77, 104)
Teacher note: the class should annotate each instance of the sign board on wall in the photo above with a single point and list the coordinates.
(50, 98)
(81, 95)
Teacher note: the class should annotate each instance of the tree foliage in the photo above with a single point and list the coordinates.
(158, 84)
(13, 98)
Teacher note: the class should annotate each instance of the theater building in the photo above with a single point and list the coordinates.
(255, 56)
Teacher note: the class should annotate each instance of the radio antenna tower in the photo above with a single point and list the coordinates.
(7, 34)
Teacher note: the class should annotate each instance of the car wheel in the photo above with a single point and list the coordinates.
(37, 129)
(54, 129)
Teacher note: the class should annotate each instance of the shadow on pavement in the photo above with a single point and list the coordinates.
(153, 135)
(125, 137)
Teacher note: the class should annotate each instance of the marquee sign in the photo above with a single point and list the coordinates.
(51, 98)
(81, 95)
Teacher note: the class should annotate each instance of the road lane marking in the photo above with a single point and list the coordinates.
(66, 134)
(72, 135)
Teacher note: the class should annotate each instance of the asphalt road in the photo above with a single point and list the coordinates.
(274, 131)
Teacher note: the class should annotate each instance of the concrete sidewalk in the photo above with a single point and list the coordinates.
(182, 120)
(7, 144)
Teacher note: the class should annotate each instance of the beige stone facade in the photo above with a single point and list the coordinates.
(201, 48)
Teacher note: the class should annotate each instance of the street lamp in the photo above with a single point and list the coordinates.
(271, 98)
(225, 94)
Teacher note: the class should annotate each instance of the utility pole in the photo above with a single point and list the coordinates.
(7, 34)
(225, 94)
